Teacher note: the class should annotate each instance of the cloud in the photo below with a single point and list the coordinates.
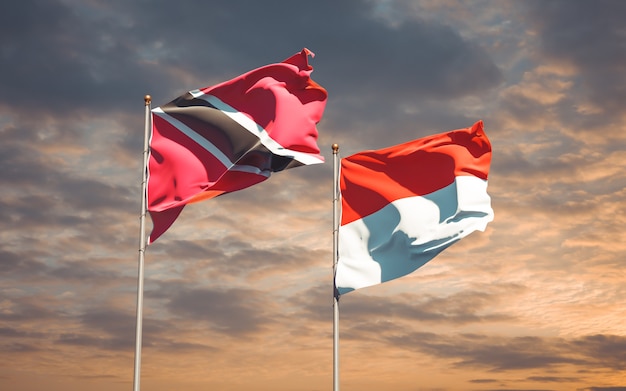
(236, 312)
(462, 308)
(238, 294)
(518, 353)
(589, 37)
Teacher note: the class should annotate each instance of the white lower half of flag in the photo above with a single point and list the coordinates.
(408, 232)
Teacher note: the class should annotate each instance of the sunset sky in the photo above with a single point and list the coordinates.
(238, 293)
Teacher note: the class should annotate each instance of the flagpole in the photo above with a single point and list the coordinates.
(142, 247)
(335, 258)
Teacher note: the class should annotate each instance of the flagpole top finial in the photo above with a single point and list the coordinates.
(147, 99)
(335, 148)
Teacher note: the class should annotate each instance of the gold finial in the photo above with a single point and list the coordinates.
(335, 148)
(147, 99)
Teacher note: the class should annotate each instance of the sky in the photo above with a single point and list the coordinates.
(238, 293)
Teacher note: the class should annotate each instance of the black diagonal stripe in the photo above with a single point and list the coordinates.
(235, 141)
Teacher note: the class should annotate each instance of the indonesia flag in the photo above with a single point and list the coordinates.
(403, 205)
(230, 136)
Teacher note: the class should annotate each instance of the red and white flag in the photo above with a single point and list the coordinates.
(230, 136)
(403, 205)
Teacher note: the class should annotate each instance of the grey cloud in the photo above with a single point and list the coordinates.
(483, 381)
(37, 212)
(519, 353)
(93, 195)
(56, 59)
(607, 350)
(519, 389)
(84, 272)
(9, 332)
(46, 196)
(26, 167)
(191, 251)
(26, 265)
(234, 256)
(606, 389)
(23, 165)
(590, 36)
(26, 310)
(112, 321)
(366, 314)
(552, 379)
(432, 57)
(114, 330)
(233, 311)
(314, 304)
(17, 347)
(31, 266)
(84, 340)
(464, 308)
(83, 57)
(473, 350)
(14, 264)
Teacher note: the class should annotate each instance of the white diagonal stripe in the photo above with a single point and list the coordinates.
(189, 132)
(255, 129)
(207, 145)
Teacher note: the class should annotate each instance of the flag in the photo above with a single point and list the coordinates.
(403, 205)
(230, 136)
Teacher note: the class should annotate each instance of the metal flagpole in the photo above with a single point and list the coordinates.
(335, 258)
(142, 247)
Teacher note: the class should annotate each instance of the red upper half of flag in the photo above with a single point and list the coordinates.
(372, 179)
(282, 98)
